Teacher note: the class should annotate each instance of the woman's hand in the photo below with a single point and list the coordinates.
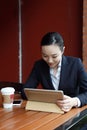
(67, 103)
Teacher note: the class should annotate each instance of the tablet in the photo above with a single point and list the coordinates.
(43, 95)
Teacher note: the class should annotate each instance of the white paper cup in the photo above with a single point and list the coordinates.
(8, 96)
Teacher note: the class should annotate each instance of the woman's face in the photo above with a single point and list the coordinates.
(52, 54)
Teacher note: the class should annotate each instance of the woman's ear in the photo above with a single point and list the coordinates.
(63, 49)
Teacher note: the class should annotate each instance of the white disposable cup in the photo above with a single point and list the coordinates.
(8, 96)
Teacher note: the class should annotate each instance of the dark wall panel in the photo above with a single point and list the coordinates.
(8, 40)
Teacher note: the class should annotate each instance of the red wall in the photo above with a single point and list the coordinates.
(38, 18)
(8, 40)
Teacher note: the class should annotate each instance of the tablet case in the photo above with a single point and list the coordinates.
(43, 100)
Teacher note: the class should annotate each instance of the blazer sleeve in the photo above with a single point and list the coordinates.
(82, 78)
(31, 82)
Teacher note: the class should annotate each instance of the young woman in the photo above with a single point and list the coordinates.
(58, 72)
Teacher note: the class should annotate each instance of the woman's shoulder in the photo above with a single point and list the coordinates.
(71, 58)
(40, 62)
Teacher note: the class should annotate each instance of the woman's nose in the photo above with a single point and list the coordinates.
(50, 60)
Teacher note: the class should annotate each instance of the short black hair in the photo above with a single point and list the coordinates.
(52, 38)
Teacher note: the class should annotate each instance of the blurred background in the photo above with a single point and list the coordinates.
(37, 17)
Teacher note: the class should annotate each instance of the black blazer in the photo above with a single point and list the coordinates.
(73, 78)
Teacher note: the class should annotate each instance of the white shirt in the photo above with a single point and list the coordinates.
(56, 78)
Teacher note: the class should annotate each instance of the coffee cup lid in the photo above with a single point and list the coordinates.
(7, 89)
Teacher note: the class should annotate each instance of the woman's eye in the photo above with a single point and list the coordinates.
(45, 56)
(54, 57)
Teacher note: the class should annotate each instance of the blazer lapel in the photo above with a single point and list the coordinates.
(63, 72)
(47, 74)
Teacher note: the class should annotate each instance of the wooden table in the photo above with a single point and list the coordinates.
(20, 119)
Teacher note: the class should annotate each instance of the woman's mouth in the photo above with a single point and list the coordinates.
(50, 64)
